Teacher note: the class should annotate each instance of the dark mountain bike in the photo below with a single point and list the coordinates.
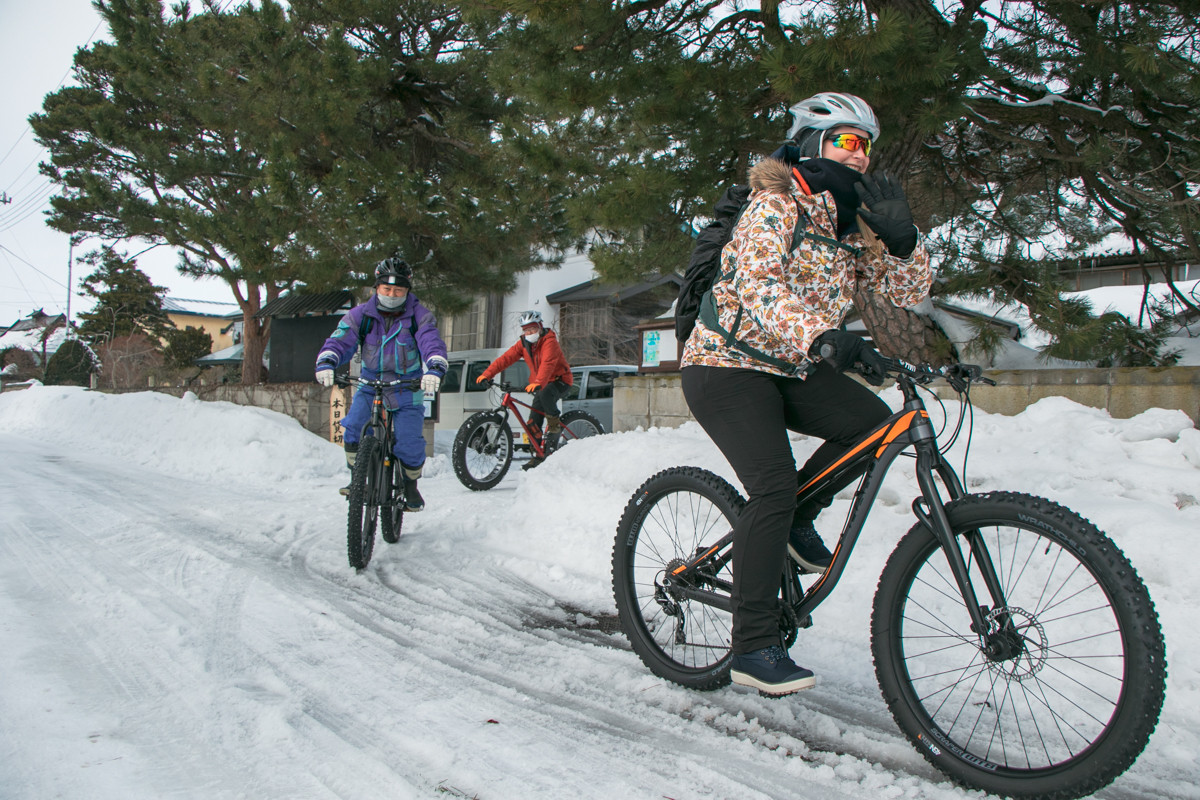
(483, 447)
(1014, 643)
(377, 481)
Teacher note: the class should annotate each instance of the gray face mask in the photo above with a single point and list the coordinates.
(390, 303)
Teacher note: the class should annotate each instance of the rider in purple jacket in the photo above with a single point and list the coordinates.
(400, 340)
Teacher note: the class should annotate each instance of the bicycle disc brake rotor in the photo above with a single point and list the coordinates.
(1015, 646)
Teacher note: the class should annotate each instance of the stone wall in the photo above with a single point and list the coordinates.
(656, 400)
(307, 402)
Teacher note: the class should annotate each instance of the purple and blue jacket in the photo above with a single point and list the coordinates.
(406, 345)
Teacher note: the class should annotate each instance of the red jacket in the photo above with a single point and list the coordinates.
(544, 357)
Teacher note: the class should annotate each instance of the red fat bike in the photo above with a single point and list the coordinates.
(484, 446)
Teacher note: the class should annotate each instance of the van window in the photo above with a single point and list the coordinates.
(452, 382)
(600, 384)
(576, 382)
(474, 370)
(517, 374)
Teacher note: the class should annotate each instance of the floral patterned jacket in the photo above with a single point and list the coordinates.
(790, 298)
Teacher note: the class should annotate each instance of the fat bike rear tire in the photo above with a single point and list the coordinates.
(1060, 695)
(581, 424)
(673, 516)
(391, 514)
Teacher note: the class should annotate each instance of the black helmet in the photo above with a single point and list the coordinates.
(394, 271)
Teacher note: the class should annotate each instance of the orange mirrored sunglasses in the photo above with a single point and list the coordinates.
(851, 142)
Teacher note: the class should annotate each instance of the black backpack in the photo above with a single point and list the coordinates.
(705, 262)
(704, 270)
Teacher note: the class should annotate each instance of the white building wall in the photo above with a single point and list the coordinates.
(532, 288)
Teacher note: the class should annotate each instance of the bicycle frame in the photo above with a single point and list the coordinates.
(909, 427)
(510, 404)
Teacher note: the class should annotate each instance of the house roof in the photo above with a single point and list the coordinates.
(200, 308)
(230, 355)
(592, 290)
(295, 304)
(36, 333)
(37, 320)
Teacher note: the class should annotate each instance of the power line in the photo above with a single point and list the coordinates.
(31, 266)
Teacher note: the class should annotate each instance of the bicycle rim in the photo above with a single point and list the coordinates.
(1061, 693)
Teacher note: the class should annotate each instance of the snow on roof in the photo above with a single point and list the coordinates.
(31, 339)
(200, 308)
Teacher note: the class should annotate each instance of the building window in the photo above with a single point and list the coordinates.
(466, 331)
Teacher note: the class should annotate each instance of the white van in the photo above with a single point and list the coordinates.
(460, 396)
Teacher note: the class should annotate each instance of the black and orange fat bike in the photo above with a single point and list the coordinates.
(1014, 643)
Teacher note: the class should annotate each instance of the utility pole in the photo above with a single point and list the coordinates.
(4, 198)
(70, 261)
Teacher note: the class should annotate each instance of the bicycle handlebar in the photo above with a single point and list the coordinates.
(411, 383)
(959, 376)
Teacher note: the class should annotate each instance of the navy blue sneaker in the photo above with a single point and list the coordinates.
(771, 671)
(806, 547)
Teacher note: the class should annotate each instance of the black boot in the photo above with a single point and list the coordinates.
(413, 501)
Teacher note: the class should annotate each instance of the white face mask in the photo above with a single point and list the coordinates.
(532, 337)
(390, 303)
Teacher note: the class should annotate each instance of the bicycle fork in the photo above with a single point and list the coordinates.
(931, 512)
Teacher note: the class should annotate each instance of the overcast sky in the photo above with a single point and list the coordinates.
(37, 42)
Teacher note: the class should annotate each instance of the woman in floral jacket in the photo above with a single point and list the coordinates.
(782, 299)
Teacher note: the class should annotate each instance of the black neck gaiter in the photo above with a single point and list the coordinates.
(826, 175)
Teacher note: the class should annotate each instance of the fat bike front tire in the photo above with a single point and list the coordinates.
(1060, 695)
(364, 502)
(483, 450)
(391, 513)
(672, 517)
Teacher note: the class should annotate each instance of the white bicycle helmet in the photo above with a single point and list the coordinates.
(531, 318)
(824, 111)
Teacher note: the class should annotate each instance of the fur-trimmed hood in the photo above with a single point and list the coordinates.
(772, 175)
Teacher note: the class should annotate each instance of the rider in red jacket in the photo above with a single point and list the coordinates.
(549, 377)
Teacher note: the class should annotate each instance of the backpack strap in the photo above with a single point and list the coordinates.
(708, 304)
(708, 315)
(364, 327)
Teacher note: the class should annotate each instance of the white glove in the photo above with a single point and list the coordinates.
(430, 384)
(325, 377)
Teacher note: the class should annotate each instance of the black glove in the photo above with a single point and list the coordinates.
(844, 350)
(887, 212)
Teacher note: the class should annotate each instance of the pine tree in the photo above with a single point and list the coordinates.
(1025, 133)
(279, 148)
(126, 301)
(187, 345)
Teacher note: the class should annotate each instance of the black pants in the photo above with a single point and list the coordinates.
(748, 414)
(545, 401)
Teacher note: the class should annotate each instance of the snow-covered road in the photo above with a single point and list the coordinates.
(178, 620)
